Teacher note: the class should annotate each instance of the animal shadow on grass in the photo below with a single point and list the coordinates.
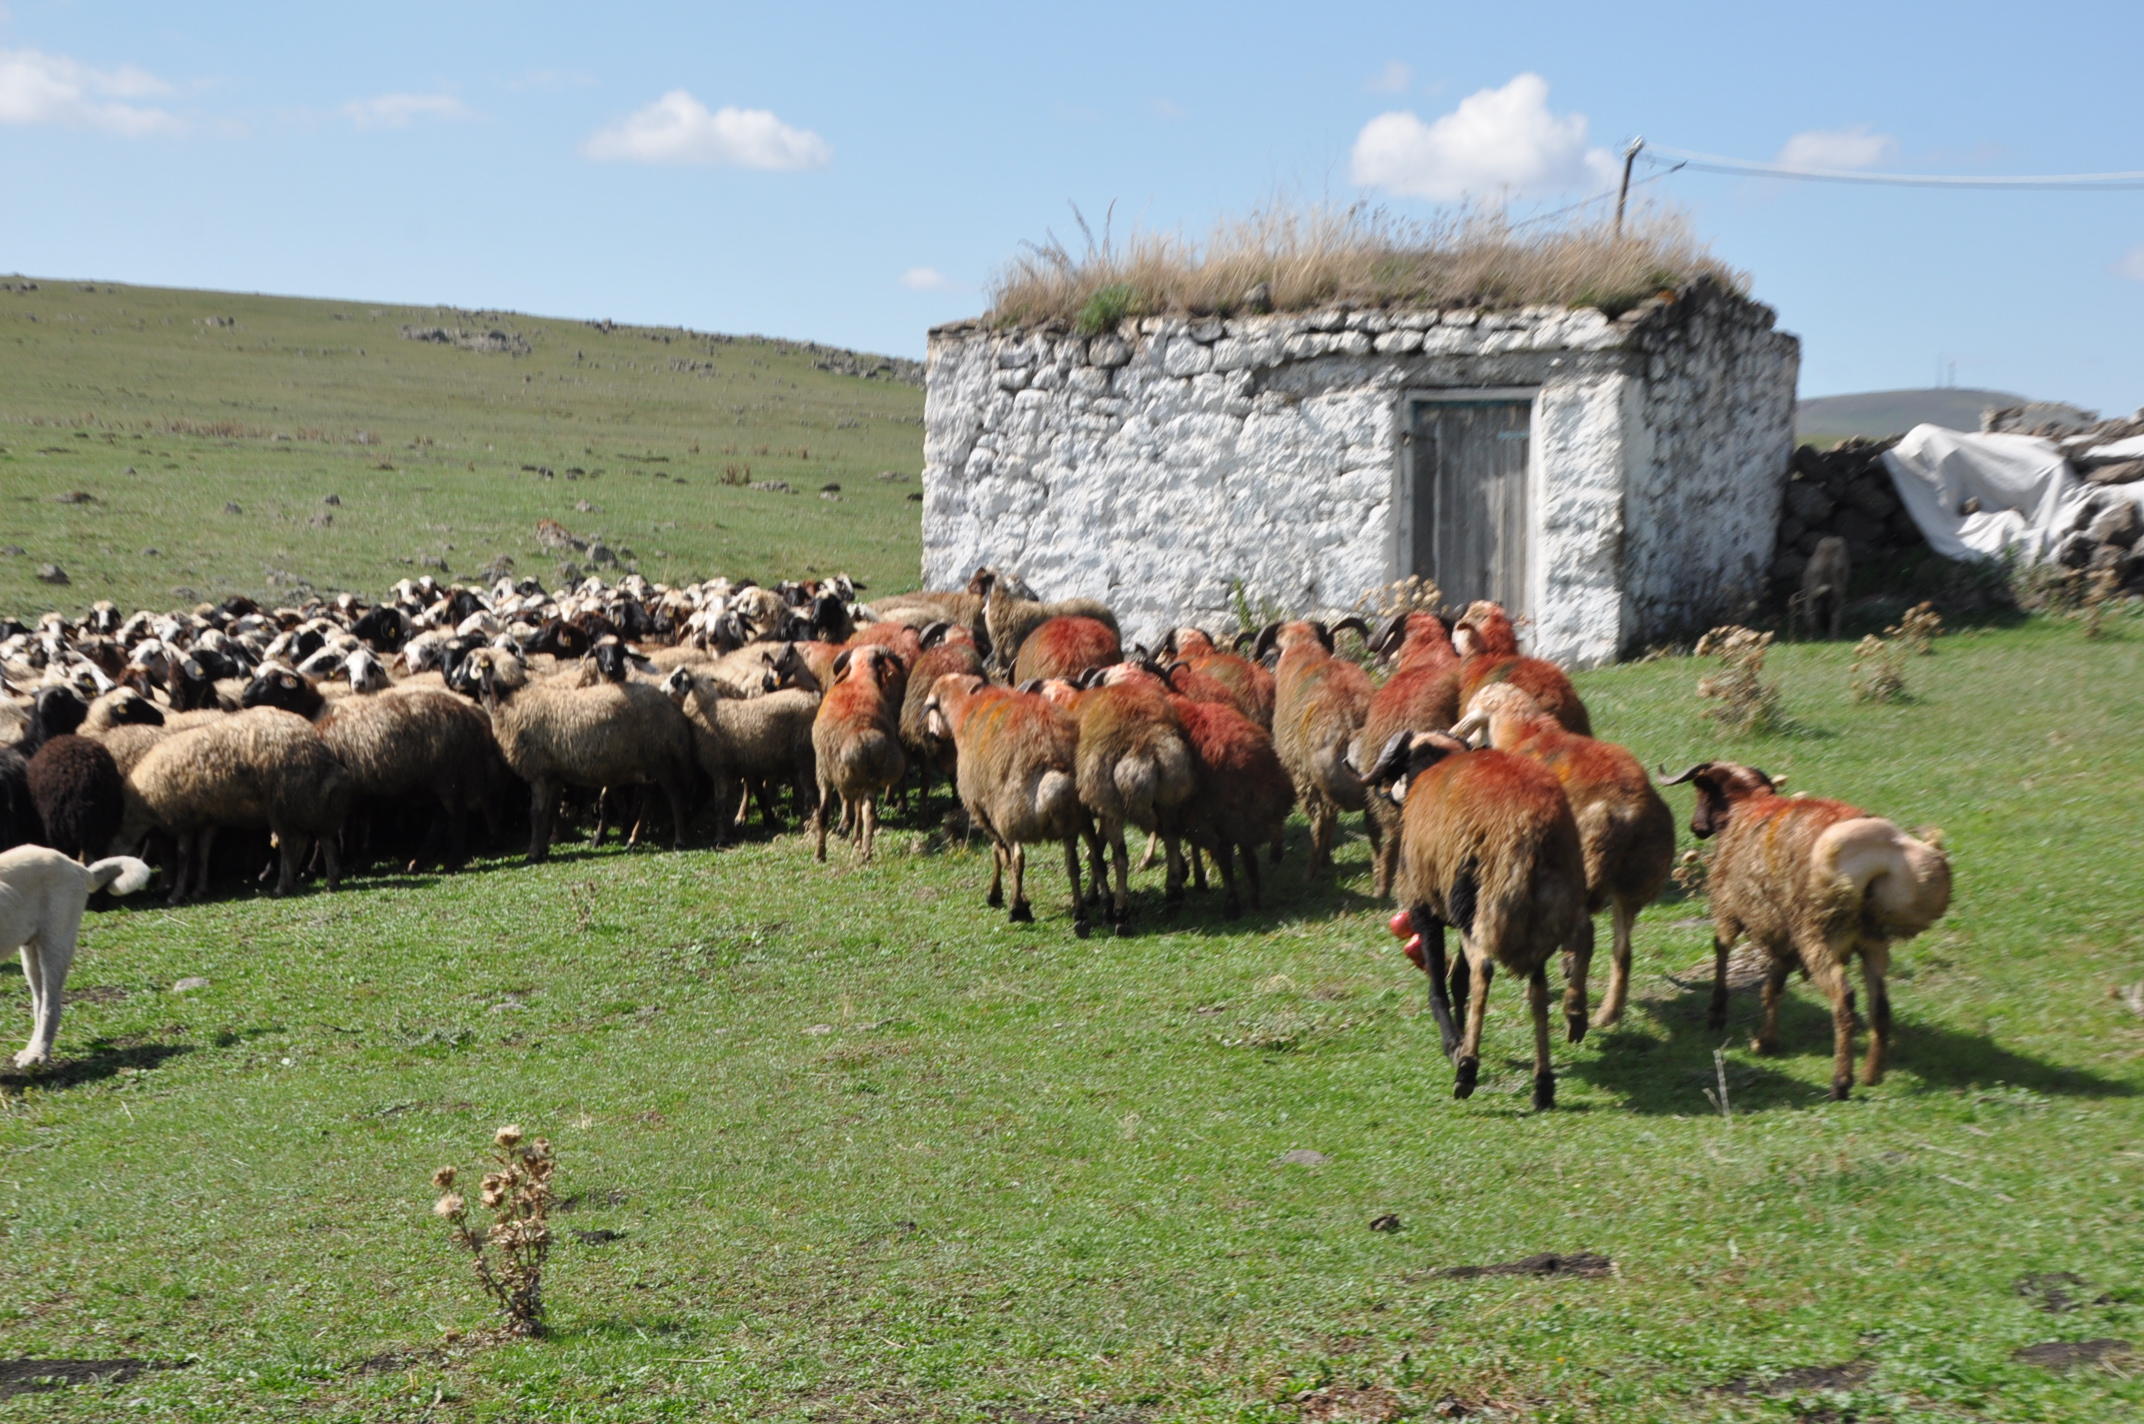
(105, 1059)
(1671, 1077)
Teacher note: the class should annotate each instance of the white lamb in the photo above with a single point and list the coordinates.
(42, 895)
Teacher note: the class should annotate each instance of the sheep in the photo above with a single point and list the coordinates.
(612, 734)
(72, 781)
(121, 707)
(1018, 775)
(1624, 828)
(1318, 705)
(1133, 766)
(1488, 845)
(399, 745)
(263, 767)
(1489, 652)
(1065, 648)
(1010, 619)
(1817, 883)
(856, 742)
(947, 648)
(42, 897)
(758, 743)
(1824, 580)
(19, 824)
(1249, 684)
(1421, 695)
(1242, 793)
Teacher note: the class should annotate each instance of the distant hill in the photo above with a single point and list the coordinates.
(1875, 413)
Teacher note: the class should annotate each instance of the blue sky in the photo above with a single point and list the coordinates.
(853, 174)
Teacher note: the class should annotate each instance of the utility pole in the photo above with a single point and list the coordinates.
(1630, 156)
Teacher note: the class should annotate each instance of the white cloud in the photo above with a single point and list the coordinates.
(2131, 264)
(1392, 79)
(1499, 143)
(1836, 148)
(678, 128)
(39, 88)
(395, 111)
(926, 279)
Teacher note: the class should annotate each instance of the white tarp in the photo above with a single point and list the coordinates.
(2026, 496)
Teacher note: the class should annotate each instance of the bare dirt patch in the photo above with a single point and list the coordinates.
(2062, 1356)
(1548, 1263)
(26, 1376)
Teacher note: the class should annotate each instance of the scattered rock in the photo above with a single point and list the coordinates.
(151, 552)
(600, 555)
(586, 508)
(11, 551)
(1387, 1223)
(189, 984)
(830, 488)
(893, 476)
(321, 521)
(553, 535)
(1582, 1263)
(52, 573)
(230, 506)
(915, 496)
(77, 496)
(432, 561)
(2119, 524)
(2062, 1356)
(1258, 301)
(601, 1236)
(830, 497)
(772, 486)
(332, 499)
(492, 340)
(1301, 1157)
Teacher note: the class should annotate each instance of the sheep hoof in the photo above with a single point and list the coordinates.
(995, 899)
(1605, 1019)
(1841, 1088)
(1575, 1026)
(1080, 928)
(1124, 928)
(1469, 1075)
(29, 1059)
(1544, 1091)
(1022, 914)
(1764, 1048)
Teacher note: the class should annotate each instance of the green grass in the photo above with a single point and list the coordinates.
(1017, 1175)
(426, 445)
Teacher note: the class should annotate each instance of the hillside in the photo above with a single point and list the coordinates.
(446, 435)
(1876, 413)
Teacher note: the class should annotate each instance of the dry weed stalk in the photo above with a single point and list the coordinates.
(517, 1193)
(1878, 672)
(1285, 258)
(1919, 629)
(1690, 873)
(1746, 702)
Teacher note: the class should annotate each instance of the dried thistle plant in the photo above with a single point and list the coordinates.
(1919, 629)
(1878, 672)
(1691, 873)
(2098, 599)
(517, 1194)
(1412, 594)
(1746, 702)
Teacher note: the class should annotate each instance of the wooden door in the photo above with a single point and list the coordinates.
(1471, 520)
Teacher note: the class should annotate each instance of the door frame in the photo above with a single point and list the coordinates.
(1402, 520)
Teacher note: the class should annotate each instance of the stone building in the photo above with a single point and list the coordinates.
(1617, 480)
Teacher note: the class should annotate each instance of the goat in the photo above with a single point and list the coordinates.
(1488, 846)
(1489, 652)
(1814, 882)
(1421, 695)
(1624, 828)
(1017, 768)
(856, 742)
(1065, 648)
(42, 897)
(1319, 702)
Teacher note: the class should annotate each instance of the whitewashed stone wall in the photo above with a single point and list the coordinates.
(1158, 466)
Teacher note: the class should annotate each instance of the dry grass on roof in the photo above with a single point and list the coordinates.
(1311, 257)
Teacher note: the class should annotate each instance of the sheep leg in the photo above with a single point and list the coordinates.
(1280, 843)
(1121, 854)
(867, 827)
(1250, 874)
(818, 822)
(1153, 839)
(1874, 962)
(1431, 929)
(1461, 984)
(1173, 877)
(602, 817)
(1198, 865)
(182, 857)
(1841, 990)
(291, 848)
(1022, 913)
(1775, 989)
(1387, 864)
(1577, 965)
(543, 809)
(457, 832)
(1079, 906)
(1097, 869)
(1479, 967)
(1224, 860)
(55, 955)
(1544, 1073)
(33, 973)
(1716, 1014)
(996, 898)
(674, 792)
(1322, 820)
(204, 852)
(1625, 915)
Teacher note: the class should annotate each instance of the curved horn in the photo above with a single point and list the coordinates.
(841, 663)
(1090, 677)
(1325, 634)
(1362, 629)
(1395, 633)
(1393, 759)
(1030, 687)
(1691, 770)
(1266, 635)
(1168, 644)
(1241, 638)
(935, 632)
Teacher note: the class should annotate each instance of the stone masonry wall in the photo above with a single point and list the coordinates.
(1157, 466)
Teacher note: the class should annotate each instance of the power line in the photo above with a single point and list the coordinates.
(1713, 163)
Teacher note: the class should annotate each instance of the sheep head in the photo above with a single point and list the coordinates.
(1406, 756)
(1719, 786)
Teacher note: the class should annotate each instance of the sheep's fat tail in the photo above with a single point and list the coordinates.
(122, 875)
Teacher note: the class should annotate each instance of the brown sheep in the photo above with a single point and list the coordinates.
(1134, 767)
(1627, 831)
(1815, 884)
(1421, 695)
(1319, 703)
(856, 743)
(1489, 652)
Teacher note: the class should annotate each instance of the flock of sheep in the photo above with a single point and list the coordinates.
(340, 731)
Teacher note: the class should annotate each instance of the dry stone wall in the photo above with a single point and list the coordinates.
(1160, 466)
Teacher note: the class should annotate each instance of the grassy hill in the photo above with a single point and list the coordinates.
(166, 407)
(1828, 419)
(868, 1152)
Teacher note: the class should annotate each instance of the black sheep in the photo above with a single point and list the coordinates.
(18, 812)
(79, 795)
